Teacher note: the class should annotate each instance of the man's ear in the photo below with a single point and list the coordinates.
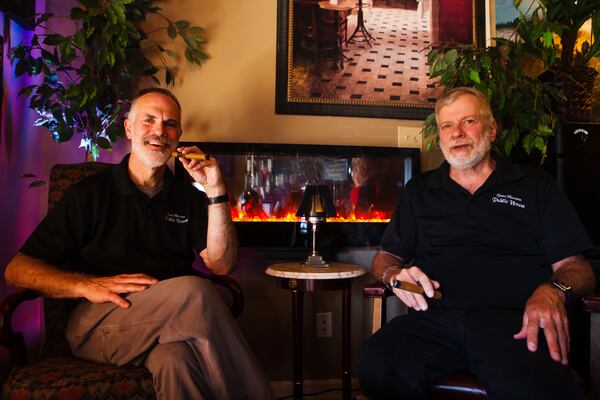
(127, 125)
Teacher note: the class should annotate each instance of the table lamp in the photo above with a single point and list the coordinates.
(316, 205)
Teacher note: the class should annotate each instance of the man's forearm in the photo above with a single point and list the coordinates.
(221, 253)
(382, 261)
(24, 271)
(577, 272)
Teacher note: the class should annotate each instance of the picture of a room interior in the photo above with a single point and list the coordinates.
(372, 51)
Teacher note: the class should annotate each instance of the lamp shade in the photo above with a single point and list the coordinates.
(316, 203)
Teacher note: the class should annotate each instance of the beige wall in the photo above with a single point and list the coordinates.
(232, 97)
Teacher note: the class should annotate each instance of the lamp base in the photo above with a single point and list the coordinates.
(315, 261)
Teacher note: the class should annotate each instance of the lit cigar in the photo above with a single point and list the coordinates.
(409, 287)
(191, 156)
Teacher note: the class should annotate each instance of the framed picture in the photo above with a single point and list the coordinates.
(366, 58)
(503, 24)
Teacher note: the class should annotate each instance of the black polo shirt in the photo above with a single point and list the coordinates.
(490, 249)
(105, 226)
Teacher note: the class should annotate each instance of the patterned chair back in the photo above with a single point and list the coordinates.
(57, 311)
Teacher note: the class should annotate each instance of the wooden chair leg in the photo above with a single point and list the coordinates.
(377, 315)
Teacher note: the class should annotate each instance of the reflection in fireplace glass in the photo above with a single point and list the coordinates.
(266, 182)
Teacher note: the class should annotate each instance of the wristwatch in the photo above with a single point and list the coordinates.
(218, 199)
(384, 280)
(563, 287)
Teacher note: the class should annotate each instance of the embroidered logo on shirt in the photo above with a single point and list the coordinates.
(178, 219)
(508, 199)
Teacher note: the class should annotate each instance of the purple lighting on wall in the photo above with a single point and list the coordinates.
(19, 153)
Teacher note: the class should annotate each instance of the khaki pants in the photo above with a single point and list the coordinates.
(181, 330)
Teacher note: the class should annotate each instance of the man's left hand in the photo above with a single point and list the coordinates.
(206, 173)
(546, 309)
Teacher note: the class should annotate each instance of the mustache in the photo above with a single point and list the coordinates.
(461, 143)
(159, 139)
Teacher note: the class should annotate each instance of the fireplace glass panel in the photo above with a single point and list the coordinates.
(265, 183)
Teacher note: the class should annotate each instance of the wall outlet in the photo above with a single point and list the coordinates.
(324, 325)
(407, 138)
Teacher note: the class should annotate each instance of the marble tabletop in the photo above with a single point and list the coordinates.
(298, 271)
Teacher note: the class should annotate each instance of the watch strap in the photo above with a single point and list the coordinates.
(384, 276)
(563, 287)
(218, 199)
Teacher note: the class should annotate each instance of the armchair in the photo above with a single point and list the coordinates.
(58, 374)
(463, 385)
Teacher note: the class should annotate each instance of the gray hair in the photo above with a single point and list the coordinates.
(485, 110)
(159, 90)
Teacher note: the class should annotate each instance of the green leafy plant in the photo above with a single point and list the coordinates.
(551, 31)
(522, 105)
(87, 78)
(565, 18)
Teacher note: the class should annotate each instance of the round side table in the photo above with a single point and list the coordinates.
(299, 279)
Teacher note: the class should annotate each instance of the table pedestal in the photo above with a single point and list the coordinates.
(302, 280)
(360, 28)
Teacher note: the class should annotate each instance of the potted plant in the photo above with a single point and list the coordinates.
(522, 105)
(88, 77)
(554, 29)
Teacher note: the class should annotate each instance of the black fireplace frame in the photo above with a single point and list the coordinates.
(296, 235)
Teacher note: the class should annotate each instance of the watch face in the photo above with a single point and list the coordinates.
(561, 285)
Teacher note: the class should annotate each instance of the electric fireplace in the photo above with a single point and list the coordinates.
(265, 183)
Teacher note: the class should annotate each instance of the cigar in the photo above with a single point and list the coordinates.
(191, 156)
(409, 287)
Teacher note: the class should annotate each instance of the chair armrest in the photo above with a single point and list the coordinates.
(591, 303)
(379, 293)
(376, 290)
(11, 340)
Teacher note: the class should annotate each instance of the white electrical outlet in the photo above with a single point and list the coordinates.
(324, 325)
(408, 138)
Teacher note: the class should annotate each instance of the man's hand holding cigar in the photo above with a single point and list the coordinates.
(203, 169)
(411, 285)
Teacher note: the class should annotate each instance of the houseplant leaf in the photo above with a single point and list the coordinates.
(90, 73)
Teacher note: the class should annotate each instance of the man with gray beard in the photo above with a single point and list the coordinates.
(124, 240)
(504, 247)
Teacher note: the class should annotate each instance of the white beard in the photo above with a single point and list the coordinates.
(152, 158)
(473, 158)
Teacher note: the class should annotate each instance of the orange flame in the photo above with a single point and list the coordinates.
(238, 215)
